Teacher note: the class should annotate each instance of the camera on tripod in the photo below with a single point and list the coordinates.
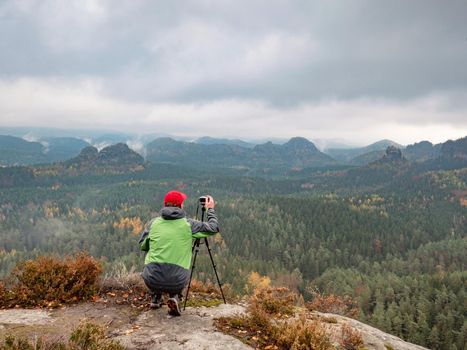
(203, 200)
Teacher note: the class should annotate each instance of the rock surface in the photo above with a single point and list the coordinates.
(373, 338)
(154, 329)
(24, 317)
(135, 329)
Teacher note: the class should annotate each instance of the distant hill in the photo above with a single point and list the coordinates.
(456, 150)
(422, 151)
(62, 148)
(394, 168)
(206, 140)
(453, 155)
(388, 168)
(297, 152)
(367, 158)
(118, 155)
(16, 151)
(361, 155)
(168, 150)
(267, 158)
(115, 158)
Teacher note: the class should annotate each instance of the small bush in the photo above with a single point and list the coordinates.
(256, 282)
(3, 292)
(303, 334)
(273, 301)
(87, 336)
(204, 288)
(264, 327)
(334, 304)
(91, 336)
(351, 339)
(259, 320)
(15, 343)
(123, 280)
(49, 281)
(12, 343)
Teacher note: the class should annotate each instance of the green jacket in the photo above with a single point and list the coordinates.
(168, 242)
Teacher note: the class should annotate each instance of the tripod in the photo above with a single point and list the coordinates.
(195, 249)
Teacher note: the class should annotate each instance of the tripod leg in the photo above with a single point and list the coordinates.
(196, 249)
(215, 270)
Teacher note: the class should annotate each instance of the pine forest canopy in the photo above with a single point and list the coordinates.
(390, 233)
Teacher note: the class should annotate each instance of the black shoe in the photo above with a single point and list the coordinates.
(156, 302)
(172, 303)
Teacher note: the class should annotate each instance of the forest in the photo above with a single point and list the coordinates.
(393, 237)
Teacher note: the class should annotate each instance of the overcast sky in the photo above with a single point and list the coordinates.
(356, 70)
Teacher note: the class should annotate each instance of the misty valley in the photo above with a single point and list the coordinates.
(385, 225)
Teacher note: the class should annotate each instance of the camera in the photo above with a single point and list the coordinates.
(203, 200)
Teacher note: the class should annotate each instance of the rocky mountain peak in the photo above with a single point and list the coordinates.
(392, 156)
(118, 154)
(89, 153)
(455, 149)
(117, 157)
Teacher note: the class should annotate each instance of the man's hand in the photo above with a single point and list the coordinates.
(210, 204)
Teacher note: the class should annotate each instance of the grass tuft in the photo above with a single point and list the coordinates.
(268, 323)
(274, 301)
(303, 334)
(91, 336)
(87, 336)
(351, 338)
(199, 302)
(333, 304)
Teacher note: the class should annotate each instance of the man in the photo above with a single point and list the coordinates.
(168, 242)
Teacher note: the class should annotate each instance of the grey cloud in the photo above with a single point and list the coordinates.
(326, 68)
(203, 50)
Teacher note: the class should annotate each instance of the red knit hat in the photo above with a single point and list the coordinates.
(174, 199)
